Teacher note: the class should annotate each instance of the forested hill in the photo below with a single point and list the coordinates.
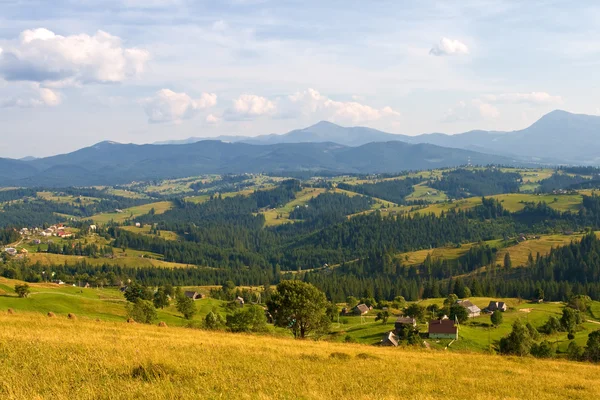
(110, 163)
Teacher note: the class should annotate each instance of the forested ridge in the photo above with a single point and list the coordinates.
(227, 238)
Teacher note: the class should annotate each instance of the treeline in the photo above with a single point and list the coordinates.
(391, 190)
(79, 249)
(8, 236)
(561, 181)
(461, 183)
(331, 206)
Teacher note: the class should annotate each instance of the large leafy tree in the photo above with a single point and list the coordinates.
(518, 342)
(299, 306)
(186, 306)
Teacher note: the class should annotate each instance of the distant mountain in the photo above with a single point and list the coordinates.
(28, 158)
(557, 137)
(110, 163)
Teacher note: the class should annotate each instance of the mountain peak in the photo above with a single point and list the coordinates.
(323, 124)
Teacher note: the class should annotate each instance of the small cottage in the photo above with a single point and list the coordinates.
(361, 309)
(193, 295)
(442, 329)
(472, 309)
(390, 339)
(403, 322)
(497, 305)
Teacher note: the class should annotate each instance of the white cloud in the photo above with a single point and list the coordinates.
(169, 106)
(249, 106)
(449, 47)
(473, 110)
(532, 98)
(43, 97)
(312, 103)
(212, 119)
(42, 56)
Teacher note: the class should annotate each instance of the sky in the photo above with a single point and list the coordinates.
(77, 72)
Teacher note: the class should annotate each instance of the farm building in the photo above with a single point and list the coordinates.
(361, 309)
(401, 322)
(390, 339)
(442, 329)
(10, 251)
(193, 295)
(497, 305)
(473, 310)
(239, 301)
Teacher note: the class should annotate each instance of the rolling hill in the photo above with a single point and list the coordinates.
(110, 163)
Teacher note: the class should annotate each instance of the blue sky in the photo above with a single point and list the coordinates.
(73, 73)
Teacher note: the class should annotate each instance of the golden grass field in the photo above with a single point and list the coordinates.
(57, 358)
(129, 258)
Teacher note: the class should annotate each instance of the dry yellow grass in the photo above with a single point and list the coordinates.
(57, 358)
(131, 259)
(519, 253)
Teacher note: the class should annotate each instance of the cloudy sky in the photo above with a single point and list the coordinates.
(76, 72)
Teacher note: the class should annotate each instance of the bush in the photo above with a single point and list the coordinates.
(213, 321)
(22, 290)
(542, 350)
(186, 306)
(141, 311)
(250, 319)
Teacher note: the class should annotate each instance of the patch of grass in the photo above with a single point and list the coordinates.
(159, 207)
(145, 230)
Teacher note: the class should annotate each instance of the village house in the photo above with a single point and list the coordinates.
(402, 322)
(93, 227)
(497, 305)
(193, 295)
(10, 251)
(442, 329)
(361, 309)
(472, 309)
(390, 339)
(239, 301)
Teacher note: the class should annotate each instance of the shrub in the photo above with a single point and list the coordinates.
(22, 290)
(71, 316)
(10, 311)
(51, 314)
(250, 319)
(542, 350)
(142, 311)
(162, 324)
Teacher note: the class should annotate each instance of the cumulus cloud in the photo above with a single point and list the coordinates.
(312, 103)
(249, 106)
(169, 106)
(40, 55)
(212, 119)
(531, 98)
(449, 47)
(473, 110)
(43, 97)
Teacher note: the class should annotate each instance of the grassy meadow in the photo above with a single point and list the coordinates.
(159, 207)
(58, 358)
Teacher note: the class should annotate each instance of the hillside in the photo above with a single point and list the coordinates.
(153, 362)
(110, 163)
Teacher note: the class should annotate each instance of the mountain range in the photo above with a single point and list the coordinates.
(110, 163)
(558, 137)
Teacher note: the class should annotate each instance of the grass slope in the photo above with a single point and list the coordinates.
(63, 359)
(159, 207)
